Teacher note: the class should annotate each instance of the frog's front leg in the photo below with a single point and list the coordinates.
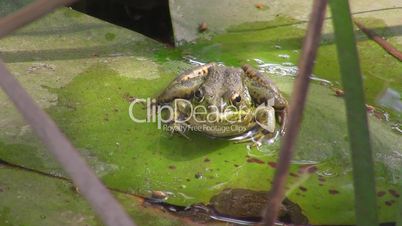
(265, 119)
(263, 90)
(282, 119)
(185, 85)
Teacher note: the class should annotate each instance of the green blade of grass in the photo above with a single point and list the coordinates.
(362, 160)
(399, 213)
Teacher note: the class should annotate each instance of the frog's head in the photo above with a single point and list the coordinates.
(224, 93)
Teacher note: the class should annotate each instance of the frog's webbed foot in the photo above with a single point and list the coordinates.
(257, 137)
(264, 132)
(265, 117)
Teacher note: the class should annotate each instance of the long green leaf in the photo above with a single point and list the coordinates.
(399, 213)
(362, 160)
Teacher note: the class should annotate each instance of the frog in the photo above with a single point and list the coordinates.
(240, 104)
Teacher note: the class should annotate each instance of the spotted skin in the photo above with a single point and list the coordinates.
(219, 86)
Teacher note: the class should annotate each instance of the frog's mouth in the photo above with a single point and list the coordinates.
(227, 117)
(222, 124)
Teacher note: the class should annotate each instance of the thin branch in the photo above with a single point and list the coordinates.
(311, 44)
(380, 41)
(89, 185)
(28, 14)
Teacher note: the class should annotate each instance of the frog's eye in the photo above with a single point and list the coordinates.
(236, 98)
(198, 94)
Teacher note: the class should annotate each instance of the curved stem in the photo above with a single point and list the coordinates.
(311, 44)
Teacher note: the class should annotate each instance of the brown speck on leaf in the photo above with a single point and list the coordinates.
(333, 191)
(261, 5)
(394, 193)
(207, 160)
(381, 193)
(172, 167)
(255, 160)
(128, 97)
(203, 26)
(322, 179)
(235, 165)
(303, 189)
(272, 164)
(339, 92)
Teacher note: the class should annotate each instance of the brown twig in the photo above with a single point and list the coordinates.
(311, 44)
(28, 14)
(380, 41)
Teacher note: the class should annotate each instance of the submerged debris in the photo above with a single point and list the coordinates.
(237, 206)
(159, 196)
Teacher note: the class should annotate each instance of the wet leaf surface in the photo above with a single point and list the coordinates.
(86, 81)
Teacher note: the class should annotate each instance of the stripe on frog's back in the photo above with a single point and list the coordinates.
(255, 75)
(195, 72)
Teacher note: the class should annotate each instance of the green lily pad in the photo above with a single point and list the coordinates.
(53, 201)
(85, 80)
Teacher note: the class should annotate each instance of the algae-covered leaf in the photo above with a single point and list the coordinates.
(29, 198)
(85, 80)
